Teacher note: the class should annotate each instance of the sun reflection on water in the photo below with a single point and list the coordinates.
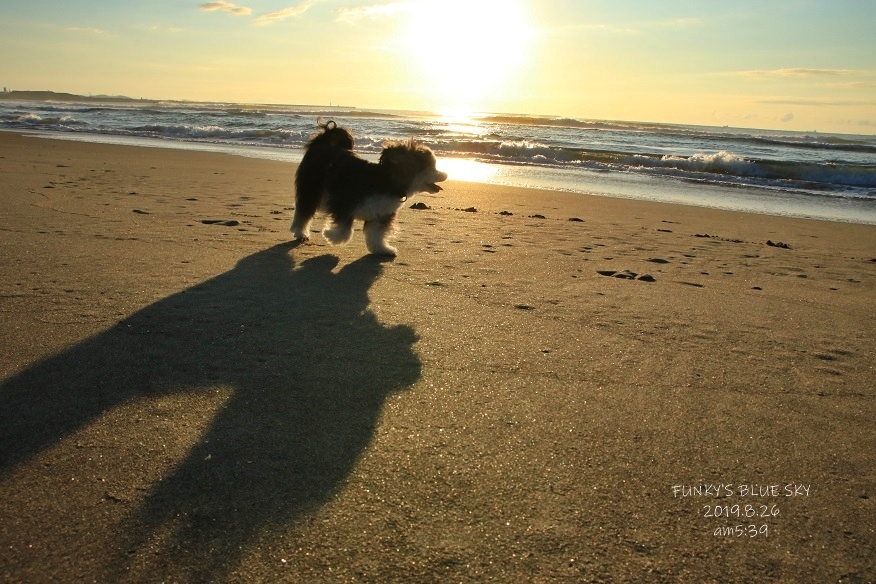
(461, 122)
(467, 170)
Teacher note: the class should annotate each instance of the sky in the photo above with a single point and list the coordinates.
(781, 64)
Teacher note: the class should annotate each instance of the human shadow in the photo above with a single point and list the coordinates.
(310, 367)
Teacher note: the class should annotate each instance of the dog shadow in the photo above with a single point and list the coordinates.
(309, 365)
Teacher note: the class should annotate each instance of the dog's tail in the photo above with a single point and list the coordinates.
(331, 135)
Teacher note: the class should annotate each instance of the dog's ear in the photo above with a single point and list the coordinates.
(396, 157)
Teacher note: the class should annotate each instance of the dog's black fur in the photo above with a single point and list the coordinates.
(333, 179)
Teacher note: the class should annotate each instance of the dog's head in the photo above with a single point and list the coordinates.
(412, 166)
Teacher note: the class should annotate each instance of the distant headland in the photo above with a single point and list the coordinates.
(60, 96)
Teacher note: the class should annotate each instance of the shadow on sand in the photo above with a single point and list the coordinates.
(310, 367)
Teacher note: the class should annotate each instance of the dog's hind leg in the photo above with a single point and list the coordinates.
(339, 232)
(308, 195)
(300, 226)
(305, 209)
(377, 231)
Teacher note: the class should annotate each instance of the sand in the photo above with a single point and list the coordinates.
(188, 396)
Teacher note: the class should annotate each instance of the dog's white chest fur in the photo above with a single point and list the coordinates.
(378, 208)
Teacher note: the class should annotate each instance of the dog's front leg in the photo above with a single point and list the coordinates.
(339, 231)
(377, 231)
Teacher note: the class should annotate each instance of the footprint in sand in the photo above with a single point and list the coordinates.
(227, 223)
(833, 361)
(627, 275)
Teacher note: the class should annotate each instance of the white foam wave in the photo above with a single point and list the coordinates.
(726, 156)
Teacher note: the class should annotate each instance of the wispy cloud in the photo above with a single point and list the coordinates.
(596, 27)
(798, 73)
(819, 102)
(223, 6)
(633, 28)
(837, 79)
(856, 85)
(683, 22)
(87, 30)
(863, 123)
(262, 19)
(610, 28)
(372, 11)
(187, 68)
(285, 13)
(159, 29)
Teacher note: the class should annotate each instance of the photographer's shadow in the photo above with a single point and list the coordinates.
(309, 366)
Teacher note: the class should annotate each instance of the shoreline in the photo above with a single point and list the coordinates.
(755, 200)
(187, 395)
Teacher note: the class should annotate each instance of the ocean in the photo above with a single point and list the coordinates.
(797, 174)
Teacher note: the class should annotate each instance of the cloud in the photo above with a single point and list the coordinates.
(285, 13)
(836, 79)
(787, 117)
(609, 28)
(854, 85)
(160, 29)
(799, 73)
(223, 6)
(683, 22)
(372, 11)
(819, 102)
(865, 123)
(87, 30)
(600, 28)
(631, 27)
(268, 18)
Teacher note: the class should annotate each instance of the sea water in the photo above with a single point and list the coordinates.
(799, 174)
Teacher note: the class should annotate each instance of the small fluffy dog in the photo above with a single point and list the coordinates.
(331, 178)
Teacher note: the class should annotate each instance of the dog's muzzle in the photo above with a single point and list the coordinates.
(433, 187)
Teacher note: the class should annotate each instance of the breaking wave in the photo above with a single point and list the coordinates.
(808, 163)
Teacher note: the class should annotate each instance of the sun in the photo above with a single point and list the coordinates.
(481, 45)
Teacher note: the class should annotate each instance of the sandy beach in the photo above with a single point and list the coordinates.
(542, 387)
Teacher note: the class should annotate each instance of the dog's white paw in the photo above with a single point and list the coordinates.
(384, 250)
(300, 234)
(338, 234)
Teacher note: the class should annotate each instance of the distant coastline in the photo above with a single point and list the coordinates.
(56, 96)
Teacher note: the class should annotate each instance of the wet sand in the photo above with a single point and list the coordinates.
(542, 387)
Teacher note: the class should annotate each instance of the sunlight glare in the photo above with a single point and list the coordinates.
(465, 170)
(461, 122)
(483, 44)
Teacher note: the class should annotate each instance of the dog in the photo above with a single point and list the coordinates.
(333, 179)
